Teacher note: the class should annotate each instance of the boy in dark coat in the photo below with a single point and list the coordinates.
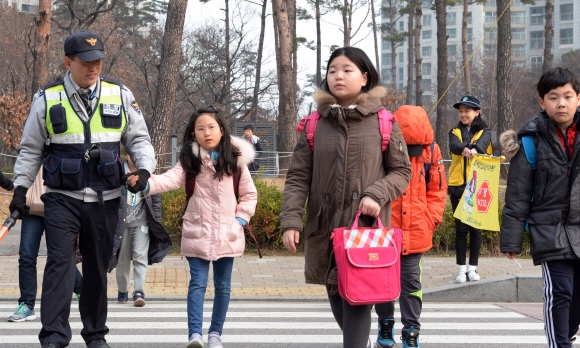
(547, 200)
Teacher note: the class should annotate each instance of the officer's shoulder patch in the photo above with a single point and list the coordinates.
(135, 106)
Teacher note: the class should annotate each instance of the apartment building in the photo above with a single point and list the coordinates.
(30, 6)
(527, 22)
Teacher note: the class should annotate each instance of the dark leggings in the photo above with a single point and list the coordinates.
(354, 321)
(461, 231)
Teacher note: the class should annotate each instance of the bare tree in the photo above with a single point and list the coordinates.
(410, 50)
(504, 67)
(168, 75)
(375, 30)
(82, 16)
(464, 48)
(548, 36)
(283, 12)
(418, 60)
(41, 44)
(259, 60)
(390, 34)
(441, 126)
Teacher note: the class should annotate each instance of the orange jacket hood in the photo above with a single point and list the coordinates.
(415, 125)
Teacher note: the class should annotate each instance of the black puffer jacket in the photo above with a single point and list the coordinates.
(159, 240)
(554, 226)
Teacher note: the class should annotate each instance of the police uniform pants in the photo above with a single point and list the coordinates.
(65, 218)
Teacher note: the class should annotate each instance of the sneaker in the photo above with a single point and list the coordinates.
(214, 340)
(138, 299)
(195, 341)
(23, 313)
(123, 297)
(410, 337)
(385, 338)
(472, 275)
(461, 277)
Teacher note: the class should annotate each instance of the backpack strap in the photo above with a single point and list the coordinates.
(428, 164)
(532, 157)
(189, 187)
(309, 123)
(385, 126)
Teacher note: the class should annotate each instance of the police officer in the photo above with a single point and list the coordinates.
(75, 128)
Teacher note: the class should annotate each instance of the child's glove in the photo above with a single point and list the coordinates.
(141, 183)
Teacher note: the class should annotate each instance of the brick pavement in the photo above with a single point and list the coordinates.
(279, 276)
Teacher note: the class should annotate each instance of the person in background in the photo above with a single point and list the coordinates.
(254, 167)
(471, 136)
(74, 129)
(31, 232)
(418, 212)
(140, 238)
(346, 171)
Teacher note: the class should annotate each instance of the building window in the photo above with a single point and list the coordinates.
(426, 4)
(29, 8)
(518, 50)
(537, 15)
(451, 19)
(401, 26)
(470, 49)
(469, 34)
(387, 58)
(518, 33)
(490, 3)
(518, 3)
(452, 51)
(452, 33)
(566, 36)
(536, 62)
(492, 34)
(426, 84)
(426, 35)
(469, 18)
(426, 68)
(401, 73)
(426, 51)
(536, 39)
(489, 49)
(427, 20)
(401, 57)
(490, 17)
(400, 85)
(518, 17)
(387, 74)
(567, 12)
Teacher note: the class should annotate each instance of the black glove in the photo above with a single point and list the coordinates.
(141, 182)
(19, 201)
(6, 183)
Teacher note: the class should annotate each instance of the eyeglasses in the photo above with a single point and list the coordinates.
(214, 109)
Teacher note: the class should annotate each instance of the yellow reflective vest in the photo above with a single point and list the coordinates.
(460, 164)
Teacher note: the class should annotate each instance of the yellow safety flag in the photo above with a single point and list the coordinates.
(478, 205)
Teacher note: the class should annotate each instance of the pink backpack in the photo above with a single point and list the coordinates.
(385, 124)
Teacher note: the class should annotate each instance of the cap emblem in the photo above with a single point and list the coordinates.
(464, 98)
(92, 41)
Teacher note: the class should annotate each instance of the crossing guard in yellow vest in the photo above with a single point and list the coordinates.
(75, 128)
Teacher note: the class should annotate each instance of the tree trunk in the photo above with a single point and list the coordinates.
(41, 45)
(418, 59)
(318, 46)
(548, 36)
(284, 11)
(345, 23)
(442, 126)
(254, 109)
(465, 50)
(410, 61)
(378, 65)
(504, 68)
(168, 74)
(227, 95)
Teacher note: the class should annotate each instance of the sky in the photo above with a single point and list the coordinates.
(331, 35)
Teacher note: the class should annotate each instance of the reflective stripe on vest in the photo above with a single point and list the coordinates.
(459, 164)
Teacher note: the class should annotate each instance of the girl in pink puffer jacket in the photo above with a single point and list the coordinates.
(214, 219)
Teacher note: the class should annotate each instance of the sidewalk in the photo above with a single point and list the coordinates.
(270, 277)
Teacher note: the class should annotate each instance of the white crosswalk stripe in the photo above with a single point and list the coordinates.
(262, 324)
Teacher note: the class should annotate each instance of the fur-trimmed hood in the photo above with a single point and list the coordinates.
(366, 103)
(246, 149)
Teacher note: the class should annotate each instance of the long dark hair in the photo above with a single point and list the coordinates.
(363, 63)
(227, 162)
